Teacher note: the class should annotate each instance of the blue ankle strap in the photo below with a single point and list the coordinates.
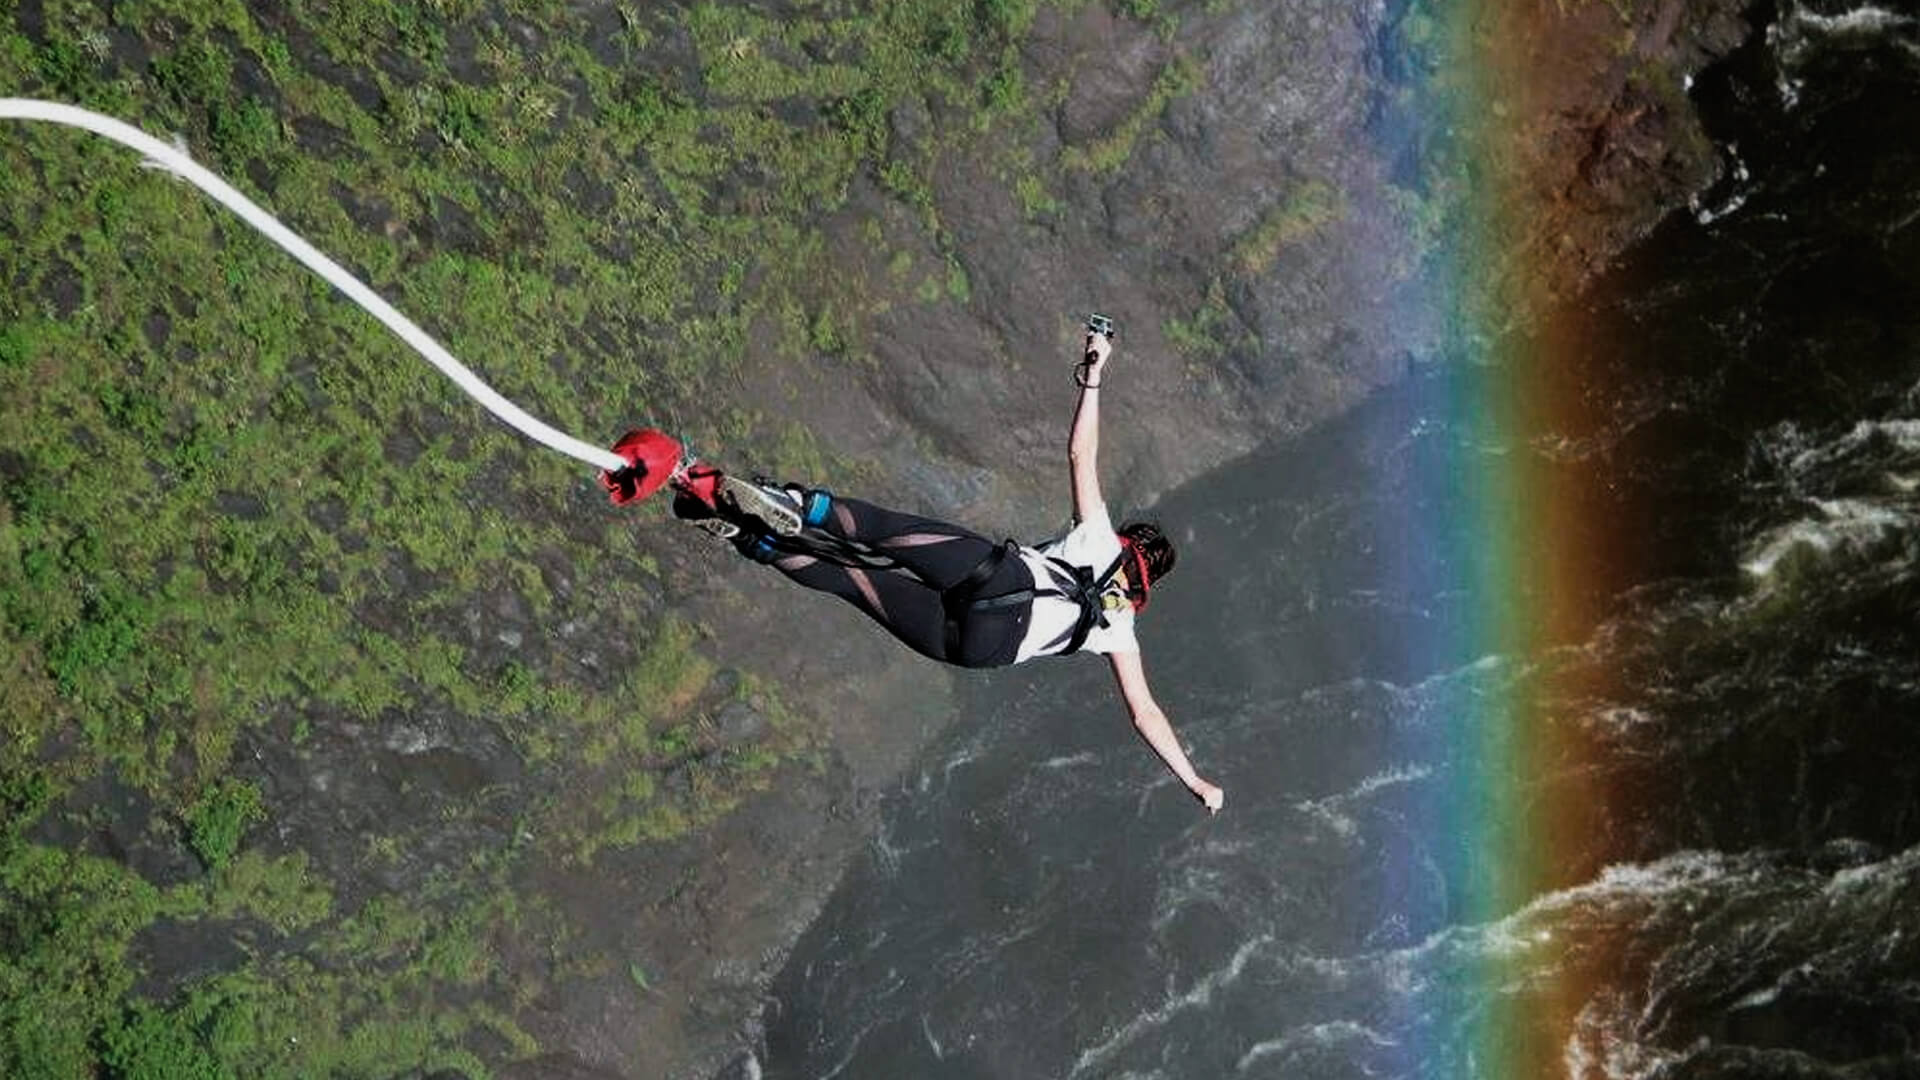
(758, 548)
(815, 506)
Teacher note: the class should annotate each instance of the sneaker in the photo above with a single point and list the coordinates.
(764, 504)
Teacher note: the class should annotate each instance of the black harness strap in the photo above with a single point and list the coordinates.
(1079, 584)
(963, 596)
(831, 549)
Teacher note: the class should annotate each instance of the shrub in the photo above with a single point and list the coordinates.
(947, 38)
(197, 73)
(148, 1044)
(1005, 89)
(1007, 18)
(65, 67)
(462, 119)
(16, 345)
(247, 131)
(216, 823)
(112, 625)
(133, 411)
(863, 116)
(24, 796)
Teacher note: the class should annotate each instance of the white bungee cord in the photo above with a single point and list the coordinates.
(161, 155)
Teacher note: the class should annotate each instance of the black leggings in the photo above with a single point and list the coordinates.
(932, 556)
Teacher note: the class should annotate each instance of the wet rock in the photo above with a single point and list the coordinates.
(744, 1067)
(62, 289)
(402, 447)
(158, 327)
(421, 781)
(1591, 138)
(1111, 61)
(910, 123)
(249, 75)
(105, 817)
(590, 193)
(129, 47)
(554, 1067)
(739, 722)
(451, 227)
(355, 79)
(797, 113)
(178, 953)
(320, 139)
(329, 513)
(370, 212)
(241, 504)
(724, 684)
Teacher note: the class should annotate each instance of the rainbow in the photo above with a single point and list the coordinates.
(1516, 542)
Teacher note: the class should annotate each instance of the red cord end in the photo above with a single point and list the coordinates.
(651, 457)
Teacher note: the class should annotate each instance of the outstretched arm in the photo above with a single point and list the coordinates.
(1152, 724)
(1083, 448)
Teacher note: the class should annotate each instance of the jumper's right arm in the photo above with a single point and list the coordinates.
(1083, 447)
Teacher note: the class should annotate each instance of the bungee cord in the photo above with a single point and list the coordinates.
(173, 160)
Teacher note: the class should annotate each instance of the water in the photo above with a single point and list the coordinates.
(1736, 703)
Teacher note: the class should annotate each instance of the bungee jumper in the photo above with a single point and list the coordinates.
(944, 590)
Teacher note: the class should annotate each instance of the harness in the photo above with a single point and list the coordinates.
(1082, 586)
(964, 598)
(1077, 584)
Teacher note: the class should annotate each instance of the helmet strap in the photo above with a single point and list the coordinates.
(1137, 575)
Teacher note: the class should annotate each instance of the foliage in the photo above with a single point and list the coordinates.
(280, 892)
(197, 72)
(68, 920)
(1307, 208)
(248, 131)
(148, 1044)
(1110, 151)
(16, 344)
(1209, 331)
(220, 818)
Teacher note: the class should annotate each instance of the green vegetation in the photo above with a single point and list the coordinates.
(148, 1044)
(1111, 151)
(1212, 329)
(1307, 209)
(245, 537)
(216, 822)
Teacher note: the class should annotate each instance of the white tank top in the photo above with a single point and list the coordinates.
(1091, 544)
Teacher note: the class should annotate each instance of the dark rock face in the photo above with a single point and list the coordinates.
(1264, 198)
(1589, 130)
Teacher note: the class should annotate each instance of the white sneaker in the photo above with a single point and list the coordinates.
(774, 507)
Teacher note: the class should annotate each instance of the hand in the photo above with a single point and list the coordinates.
(1098, 346)
(1207, 793)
